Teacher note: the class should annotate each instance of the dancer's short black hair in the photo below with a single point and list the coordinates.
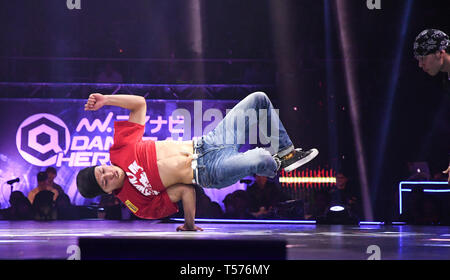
(87, 184)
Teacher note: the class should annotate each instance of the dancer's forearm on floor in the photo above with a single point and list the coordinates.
(188, 200)
(185, 193)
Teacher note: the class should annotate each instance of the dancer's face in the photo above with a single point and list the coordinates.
(109, 177)
(432, 63)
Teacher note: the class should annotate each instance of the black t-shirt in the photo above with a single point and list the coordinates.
(446, 82)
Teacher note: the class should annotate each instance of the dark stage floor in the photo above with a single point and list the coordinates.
(54, 240)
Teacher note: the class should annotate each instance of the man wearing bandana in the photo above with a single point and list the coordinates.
(432, 50)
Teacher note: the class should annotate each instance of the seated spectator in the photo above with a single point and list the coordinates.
(112, 208)
(51, 173)
(44, 206)
(216, 210)
(20, 209)
(264, 195)
(344, 194)
(237, 206)
(42, 186)
(65, 210)
(320, 204)
(205, 207)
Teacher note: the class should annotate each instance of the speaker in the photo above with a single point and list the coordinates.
(180, 249)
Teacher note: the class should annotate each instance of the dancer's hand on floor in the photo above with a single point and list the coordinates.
(189, 228)
(448, 173)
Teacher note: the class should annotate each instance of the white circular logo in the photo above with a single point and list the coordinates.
(41, 137)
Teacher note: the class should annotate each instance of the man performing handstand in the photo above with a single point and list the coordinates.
(150, 177)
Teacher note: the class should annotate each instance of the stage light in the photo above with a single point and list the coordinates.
(305, 180)
(337, 214)
(281, 19)
(331, 91)
(392, 89)
(337, 208)
(195, 37)
(308, 179)
(349, 71)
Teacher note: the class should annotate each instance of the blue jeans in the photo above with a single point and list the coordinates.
(219, 162)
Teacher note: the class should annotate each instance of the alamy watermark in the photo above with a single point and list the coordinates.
(374, 252)
(373, 4)
(261, 125)
(73, 252)
(73, 4)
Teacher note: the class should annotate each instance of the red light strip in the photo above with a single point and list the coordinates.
(308, 178)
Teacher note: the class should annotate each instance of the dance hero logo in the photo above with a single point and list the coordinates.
(41, 137)
(44, 140)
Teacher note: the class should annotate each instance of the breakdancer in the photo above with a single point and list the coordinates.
(150, 177)
(432, 50)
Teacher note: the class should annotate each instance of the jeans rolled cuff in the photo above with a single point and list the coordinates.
(285, 151)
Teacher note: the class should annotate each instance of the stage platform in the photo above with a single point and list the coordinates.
(59, 239)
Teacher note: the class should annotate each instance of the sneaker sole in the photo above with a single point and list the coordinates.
(303, 161)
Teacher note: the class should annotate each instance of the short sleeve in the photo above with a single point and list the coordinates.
(126, 132)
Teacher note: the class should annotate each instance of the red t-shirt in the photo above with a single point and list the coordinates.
(143, 193)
